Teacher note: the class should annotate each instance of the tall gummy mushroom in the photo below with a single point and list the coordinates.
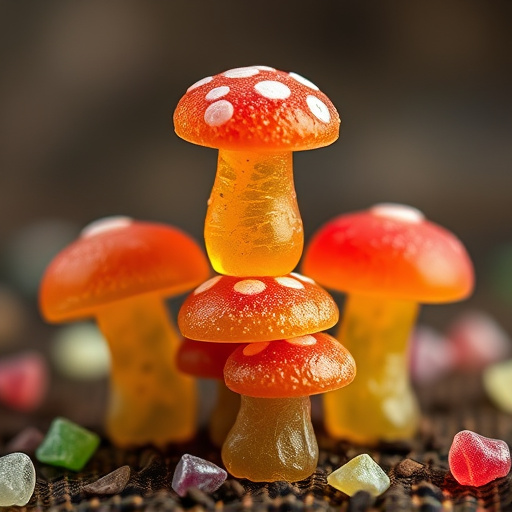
(388, 259)
(119, 272)
(256, 116)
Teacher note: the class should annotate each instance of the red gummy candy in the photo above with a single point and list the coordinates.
(23, 381)
(477, 460)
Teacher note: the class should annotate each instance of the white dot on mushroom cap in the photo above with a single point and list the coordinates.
(241, 72)
(218, 113)
(273, 90)
(217, 93)
(203, 81)
(318, 108)
(207, 285)
(265, 68)
(255, 348)
(304, 81)
(302, 340)
(397, 211)
(289, 282)
(302, 278)
(249, 286)
(105, 224)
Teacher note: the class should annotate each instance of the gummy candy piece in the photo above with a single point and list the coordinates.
(253, 225)
(432, 356)
(478, 340)
(80, 351)
(477, 460)
(193, 471)
(113, 483)
(362, 473)
(497, 380)
(17, 479)
(26, 441)
(23, 381)
(67, 445)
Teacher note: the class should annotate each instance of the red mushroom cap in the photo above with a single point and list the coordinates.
(289, 368)
(390, 250)
(205, 360)
(246, 309)
(115, 259)
(259, 108)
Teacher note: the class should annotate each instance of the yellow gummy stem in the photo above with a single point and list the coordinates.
(150, 401)
(224, 414)
(380, 403)
(272, 440)
(253, 225)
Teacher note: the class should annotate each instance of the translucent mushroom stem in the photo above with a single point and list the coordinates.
(150, 400)
(380, 403)
(224, 413)
(253, 225)
(272, 439)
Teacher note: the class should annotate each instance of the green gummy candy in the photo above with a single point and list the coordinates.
(67, 445)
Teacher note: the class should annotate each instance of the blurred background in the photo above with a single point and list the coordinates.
(87, 92)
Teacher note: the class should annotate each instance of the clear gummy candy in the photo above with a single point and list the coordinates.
(17, 479)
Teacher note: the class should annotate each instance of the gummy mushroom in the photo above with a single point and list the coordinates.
(119, 272)
(256, 116)
(387, 259)
(227, 309)
(273, 438)
(206, 361)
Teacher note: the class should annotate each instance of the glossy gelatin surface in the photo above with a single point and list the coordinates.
(477, 460)
(272, 439)
(380, 404)
(151, 401)
(230, 309)
(295, 367)
(253, 225)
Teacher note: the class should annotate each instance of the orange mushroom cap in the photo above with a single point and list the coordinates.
(289, 368)
(390, 250)
(258, 108)
(204, 360)
(119, 258)
(247, 309)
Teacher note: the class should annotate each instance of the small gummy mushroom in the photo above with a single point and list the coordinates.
(207, 361)
(228, 309)
(256, 116)
(119, 272)
(388, 259)
(273, 438)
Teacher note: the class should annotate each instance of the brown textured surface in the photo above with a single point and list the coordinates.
(418, 470)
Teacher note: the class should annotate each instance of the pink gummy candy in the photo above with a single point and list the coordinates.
(477, 460)
(193, 471)
(23, 381)
(432, 356)
(478, 340)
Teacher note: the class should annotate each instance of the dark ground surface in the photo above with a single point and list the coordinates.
(418, 470)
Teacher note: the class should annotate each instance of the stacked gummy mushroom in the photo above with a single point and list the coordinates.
(257, 116)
